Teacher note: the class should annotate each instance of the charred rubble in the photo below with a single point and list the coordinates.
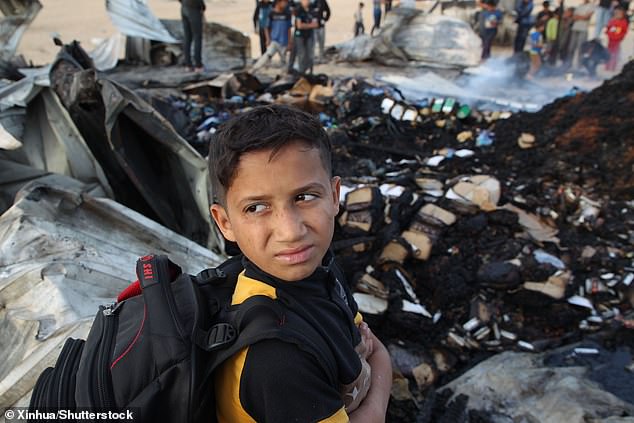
(466, 233)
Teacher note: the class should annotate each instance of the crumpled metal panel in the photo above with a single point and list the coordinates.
(18, 15)
(150, 167)
(62, 254)
(439, 39)
(409, 36)
(165, 169)
(135, 19)
(52, 142)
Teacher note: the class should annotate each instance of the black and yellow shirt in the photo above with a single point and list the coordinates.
(276, 381)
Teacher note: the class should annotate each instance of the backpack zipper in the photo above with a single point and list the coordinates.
(68, 370)
(104, 356)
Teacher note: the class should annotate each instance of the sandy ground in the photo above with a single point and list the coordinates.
(87, 20)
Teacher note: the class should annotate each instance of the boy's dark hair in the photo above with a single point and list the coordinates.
(262, 128)
(361, 4)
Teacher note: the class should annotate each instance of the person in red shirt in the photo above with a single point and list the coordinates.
(616, 30)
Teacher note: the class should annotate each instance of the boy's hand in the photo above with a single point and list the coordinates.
(365, 347)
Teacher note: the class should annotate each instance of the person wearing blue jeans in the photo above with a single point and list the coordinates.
(377, 16)
(524, 20)
(603, 15)
(192, 12)
(305, 24)
(490, 20)
(261, 21)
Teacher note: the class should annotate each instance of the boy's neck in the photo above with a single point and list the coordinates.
(322, 271)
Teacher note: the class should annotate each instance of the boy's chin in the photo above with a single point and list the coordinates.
(292, 273)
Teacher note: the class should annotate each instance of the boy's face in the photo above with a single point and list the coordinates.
(281, 210)
(619, 14)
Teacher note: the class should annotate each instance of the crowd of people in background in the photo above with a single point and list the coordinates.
(557, 38)
(297, 28)
(291, 27)
(560, 38)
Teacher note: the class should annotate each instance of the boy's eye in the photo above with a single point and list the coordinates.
(255, 208)
(306, 197)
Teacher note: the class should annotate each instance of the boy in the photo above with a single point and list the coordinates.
(550, 34)
(358, 21)
(537, 45)
(544, 14)
(305, 25)
(271, 170)
(278, 35)
(616, 30)
(490, 20)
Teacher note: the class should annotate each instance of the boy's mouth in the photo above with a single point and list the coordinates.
(295, 255)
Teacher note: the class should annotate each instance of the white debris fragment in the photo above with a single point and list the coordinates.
(581, 302)
(586, 351)
(370, 304)
(546, 258)
(434, 161)
(526, 345)
(407, 286)
(410, 307)
(391, 190)
(471, 324)
(462, 153)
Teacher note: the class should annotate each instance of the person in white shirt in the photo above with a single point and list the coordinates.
(579, 33)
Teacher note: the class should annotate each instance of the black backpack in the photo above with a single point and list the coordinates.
(153, 352)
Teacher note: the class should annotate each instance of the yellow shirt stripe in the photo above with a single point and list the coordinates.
(339, 417)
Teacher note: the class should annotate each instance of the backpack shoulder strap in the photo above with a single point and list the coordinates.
(228, 271)
(261, 318)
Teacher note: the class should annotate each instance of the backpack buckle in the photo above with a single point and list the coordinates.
(211, 275)
(219, 335)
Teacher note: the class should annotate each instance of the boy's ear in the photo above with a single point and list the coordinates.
(222, 220)
(336, 189)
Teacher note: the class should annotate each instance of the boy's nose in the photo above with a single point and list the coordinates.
(289, 225)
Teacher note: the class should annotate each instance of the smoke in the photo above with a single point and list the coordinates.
(497, 84)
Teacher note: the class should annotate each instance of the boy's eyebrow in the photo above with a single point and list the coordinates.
(312, 186)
